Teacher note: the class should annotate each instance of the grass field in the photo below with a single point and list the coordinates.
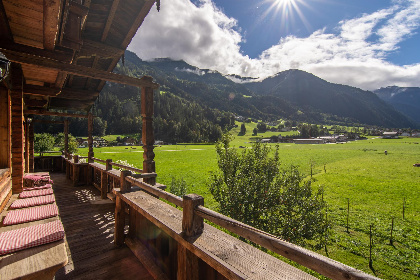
(375, 185)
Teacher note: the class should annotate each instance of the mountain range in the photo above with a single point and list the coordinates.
(291, 94)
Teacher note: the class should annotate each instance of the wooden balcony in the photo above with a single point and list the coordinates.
(89, 225)
(151, 239)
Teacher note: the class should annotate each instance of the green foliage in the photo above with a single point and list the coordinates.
(178, 187)
(243, 129)
(251, 188)
(73, 145)
(43, 142)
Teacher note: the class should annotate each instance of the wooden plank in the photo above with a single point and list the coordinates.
(92, 48)
(79, 94)
(51, 17)
(119, 221)
(5, 31)
(228, 255)
(79, 70)
(4, 128)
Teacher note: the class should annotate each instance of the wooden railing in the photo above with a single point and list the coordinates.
(176, 244)
(194, 244)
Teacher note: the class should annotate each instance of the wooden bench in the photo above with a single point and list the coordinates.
(41, 262)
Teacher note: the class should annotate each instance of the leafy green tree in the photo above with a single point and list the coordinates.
(251, 188)
(262, 127)
(73, 145)
(255, 131)
(43, 142)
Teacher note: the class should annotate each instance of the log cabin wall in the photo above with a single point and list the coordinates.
(5, 178)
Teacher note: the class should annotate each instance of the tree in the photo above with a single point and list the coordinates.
(243, 129)
(251, 188)
(59, 141)
(262, 127)
(43, 142)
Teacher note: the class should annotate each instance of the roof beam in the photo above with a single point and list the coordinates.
(92, 48)
(61, 55)
(110, 19)
(51, 19)
(79, 94)
(40, 90)
(57, 114)
(78, 70)
(5, 31)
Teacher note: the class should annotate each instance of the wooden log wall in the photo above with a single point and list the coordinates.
(31, 148)
(4, 128)
(18, 160)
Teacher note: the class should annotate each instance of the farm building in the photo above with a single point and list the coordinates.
(309, 141)
(64, 218)
(390, 135)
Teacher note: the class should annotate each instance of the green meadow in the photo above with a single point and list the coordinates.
(378, 188)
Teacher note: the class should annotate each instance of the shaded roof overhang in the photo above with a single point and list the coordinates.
(68, 49)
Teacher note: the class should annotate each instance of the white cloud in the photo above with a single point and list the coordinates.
(355, 54)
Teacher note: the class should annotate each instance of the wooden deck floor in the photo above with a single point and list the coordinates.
(89, 225)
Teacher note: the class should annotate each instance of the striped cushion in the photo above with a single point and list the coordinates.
(30, 214)
(33, 201)
(27, 194)
(47, 186)
(19, 239)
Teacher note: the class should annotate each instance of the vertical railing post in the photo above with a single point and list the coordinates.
(104, 183)
(108, 165)
(148, 138)
(66, 137)
(16, 95)
(31, 147)
(26, 145)
(119, 221)
(75, 170)
(124, 185)
(192, 225)
(90, 137)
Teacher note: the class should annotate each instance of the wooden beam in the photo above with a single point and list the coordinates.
(47, 121)
(5, 31)
(79, 94)
(110, 19)
(57, 114)
(35, 102)
(40, 90)
(139, 20)
(51, 17)
(78, 70)
(92, 48)
(60, 54)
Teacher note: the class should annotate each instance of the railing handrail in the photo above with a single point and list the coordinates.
(100, 160)
(312, 260)
(125, 167)
(170, 197)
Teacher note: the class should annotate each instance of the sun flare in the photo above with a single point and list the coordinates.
(288, 10)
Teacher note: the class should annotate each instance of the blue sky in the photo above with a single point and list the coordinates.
(367, 44)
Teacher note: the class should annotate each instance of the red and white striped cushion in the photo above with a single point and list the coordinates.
(34, 193)
(47, 186)
(19, 239)
(33, 201)
(30, 214)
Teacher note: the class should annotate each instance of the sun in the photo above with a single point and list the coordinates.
(288, 10)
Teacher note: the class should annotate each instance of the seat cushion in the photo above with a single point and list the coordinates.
(30, 214)
(46, 186)
(33, 201)
(27, 194)
(19, 239)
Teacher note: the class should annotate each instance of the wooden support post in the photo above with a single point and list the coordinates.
(192, 224)
(31, 147)
(67, 168)
(66, 137)
(124, 185)
(104, 183)
(26, 145)
(148, 138)
(16, 95)
(90, 138)
(75, 170)
(4, 128)
(108, 165)
(119, 221)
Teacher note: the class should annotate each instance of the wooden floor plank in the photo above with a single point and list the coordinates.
(89, 224)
